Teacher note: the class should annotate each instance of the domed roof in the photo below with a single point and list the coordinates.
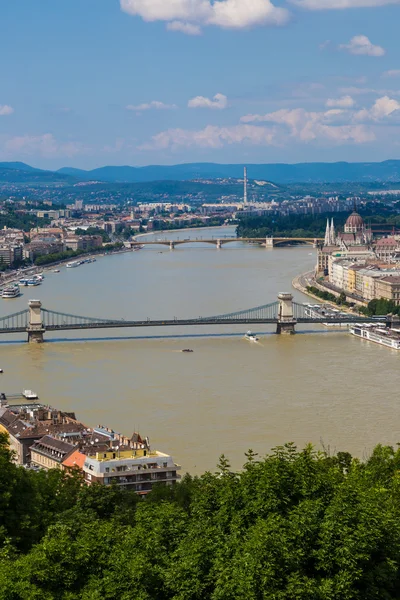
(355, 221)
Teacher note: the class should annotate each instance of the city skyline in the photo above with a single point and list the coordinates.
(145, 82)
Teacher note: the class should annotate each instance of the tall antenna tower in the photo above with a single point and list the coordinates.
(245, 186)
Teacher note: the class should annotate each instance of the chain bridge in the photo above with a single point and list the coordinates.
(284, 313)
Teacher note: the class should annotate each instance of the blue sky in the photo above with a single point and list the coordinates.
(86, 83)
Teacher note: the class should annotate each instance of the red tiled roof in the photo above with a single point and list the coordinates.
(386, 242)
(76, 459)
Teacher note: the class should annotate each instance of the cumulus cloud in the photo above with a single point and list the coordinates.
(308, 126)
(211, 137)
(382, 109)
(391, 74)
(153, 105)
(5, 110)
(187, 28)
(218, 102)
(343, 102)
(45, 145)
(361, 45)
(229, 14)
(341, 4)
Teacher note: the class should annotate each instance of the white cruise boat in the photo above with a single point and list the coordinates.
(11, 292)
(32, 282)
(378, 334)
(72, 265)
(251, 337)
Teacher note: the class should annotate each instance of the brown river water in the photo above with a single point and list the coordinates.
(321, 386)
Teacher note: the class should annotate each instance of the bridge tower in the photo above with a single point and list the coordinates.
(269, 242)
(393, 321)
(219, 244)
(172, 245)
(35, 326)
(286, 320)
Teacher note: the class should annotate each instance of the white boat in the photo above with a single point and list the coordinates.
(23, 282)
(38, 276)
(56, 270)
(72, 265)
(251, 337)
(378, 334)
(11, 292)
(33, 282)
(29, 395)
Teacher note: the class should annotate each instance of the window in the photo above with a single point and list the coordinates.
(165, 465)
(107, 469)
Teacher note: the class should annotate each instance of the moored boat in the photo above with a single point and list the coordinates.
(377, 334)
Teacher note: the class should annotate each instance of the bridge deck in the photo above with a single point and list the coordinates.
(189, 322)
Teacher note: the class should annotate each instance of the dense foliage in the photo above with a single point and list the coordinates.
(93, 231)
(328, 296)
(48, 259)
(23, 221)
(312, 225)
(287, 226)
(161, 225)
(380, 307)
(296, 525)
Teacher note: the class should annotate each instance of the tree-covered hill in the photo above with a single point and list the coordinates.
(295, 525)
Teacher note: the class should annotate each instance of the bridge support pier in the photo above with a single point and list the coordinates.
(219, 244)
(269, 242)
(172, 245)
(35, 326)
(286, 321)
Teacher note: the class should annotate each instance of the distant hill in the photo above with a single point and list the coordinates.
(280, 173)
(283, 174)
(20, 166)
(20, 173)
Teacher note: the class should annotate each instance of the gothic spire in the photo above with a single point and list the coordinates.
(327, 241)
(332, 234)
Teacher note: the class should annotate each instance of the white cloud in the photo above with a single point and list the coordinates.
(360, 44)
(187, 28)
(382, 109)
(5, 110)
(229, 14)
(44, 145)
(392, 73)
(341, 4)
(219, 102)
(308, 126)
(211, 137)
(153, 105)
(343, 102)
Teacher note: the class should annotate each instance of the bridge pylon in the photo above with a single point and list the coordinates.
(219, 244)
(286, 321)
(269, 242)
(172, 245)
(35, 327)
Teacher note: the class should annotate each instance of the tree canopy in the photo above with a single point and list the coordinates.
(294, 525)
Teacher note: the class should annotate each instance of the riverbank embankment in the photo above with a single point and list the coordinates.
(303, 281)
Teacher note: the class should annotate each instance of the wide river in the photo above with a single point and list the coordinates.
(320, 386)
